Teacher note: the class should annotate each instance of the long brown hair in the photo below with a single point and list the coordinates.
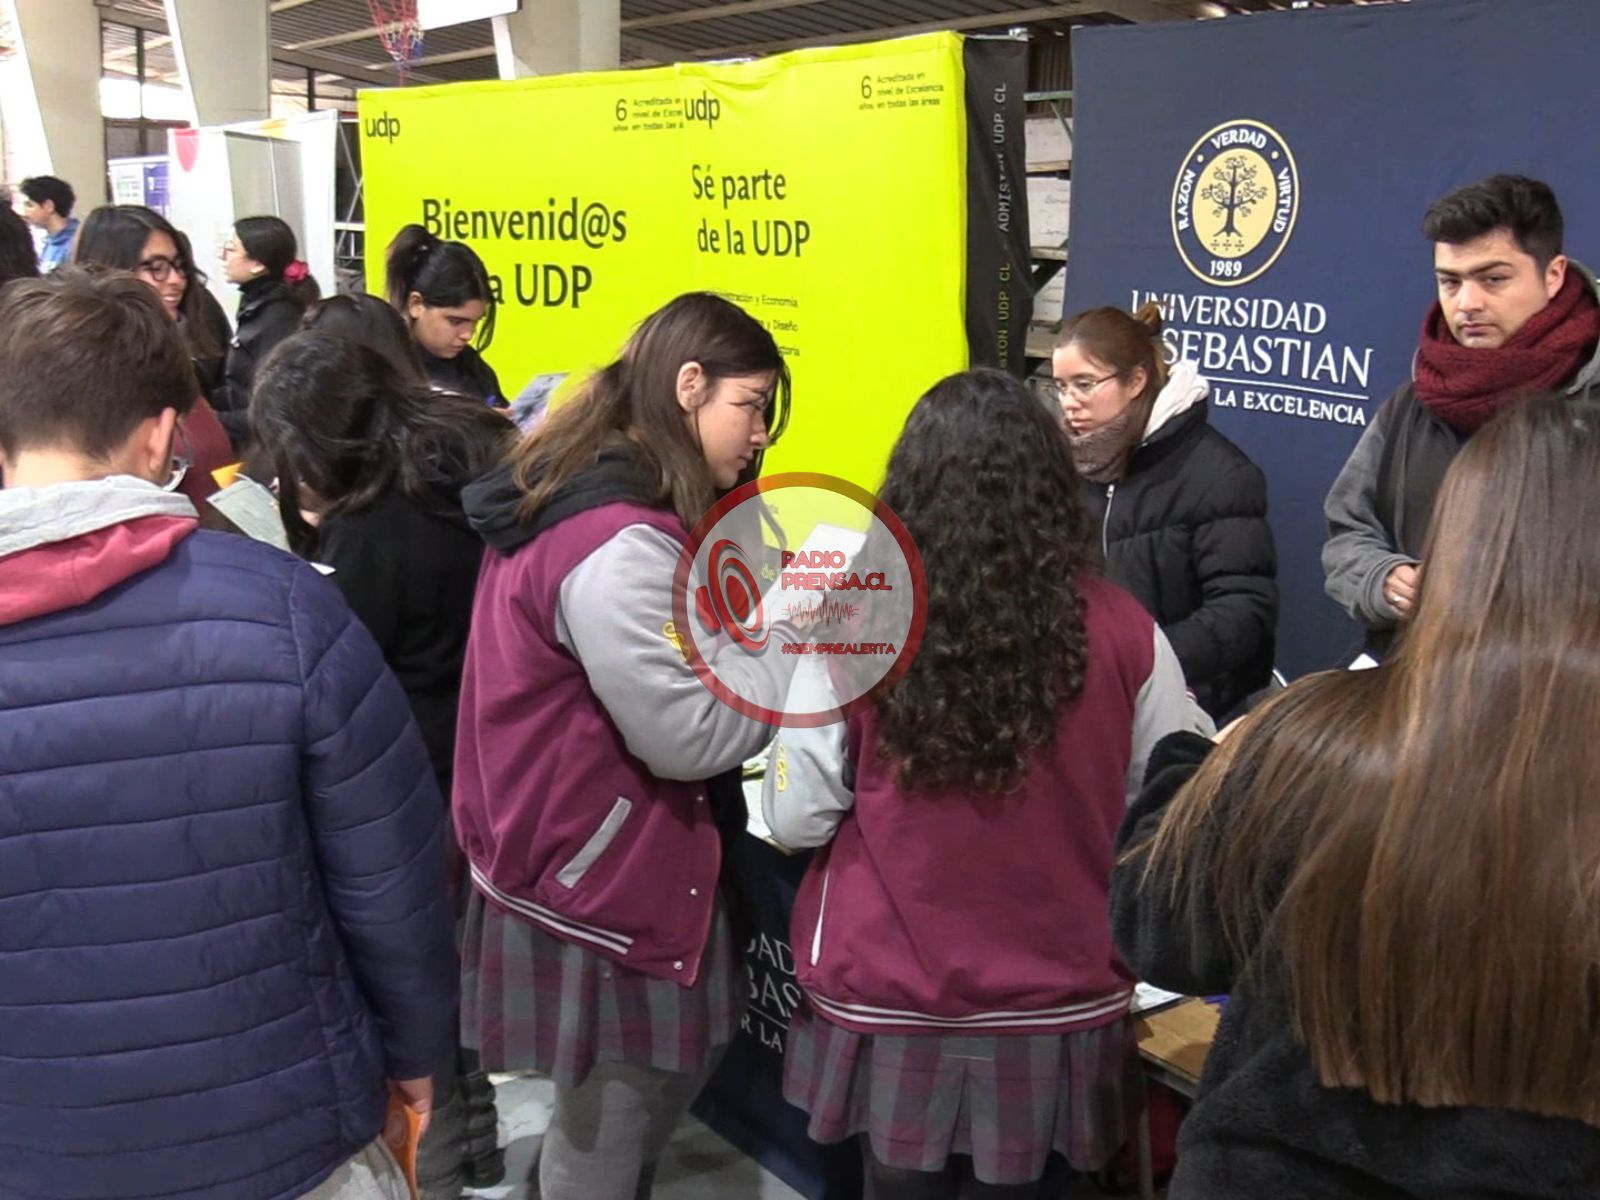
(336, 416)
(114, 235)
(633, 403)
(1421, 842)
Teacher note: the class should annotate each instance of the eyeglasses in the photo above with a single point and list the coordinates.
(182, 459)
(1060, 390)
(161, 268)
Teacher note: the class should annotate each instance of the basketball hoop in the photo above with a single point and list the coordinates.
(399, 31)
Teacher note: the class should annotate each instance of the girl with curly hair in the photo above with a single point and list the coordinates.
(965, 999)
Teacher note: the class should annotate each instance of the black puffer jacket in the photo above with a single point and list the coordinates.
(409, 569)
(467, 374)
(1186, 532)
(268, 313)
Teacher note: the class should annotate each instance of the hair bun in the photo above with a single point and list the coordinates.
(1149, 315)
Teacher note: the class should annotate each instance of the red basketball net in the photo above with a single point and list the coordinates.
(398, 30)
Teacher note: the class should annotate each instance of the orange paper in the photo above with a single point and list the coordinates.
(401, 1132)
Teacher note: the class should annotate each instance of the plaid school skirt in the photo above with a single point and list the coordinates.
(1005, 1100)
(531, 1002)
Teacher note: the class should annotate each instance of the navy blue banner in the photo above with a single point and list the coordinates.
(1265, 176)
(744, 1099)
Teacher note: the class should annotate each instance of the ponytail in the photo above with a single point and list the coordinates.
(271, 242)
(302, 284)
(408, 253)
(1150, 316)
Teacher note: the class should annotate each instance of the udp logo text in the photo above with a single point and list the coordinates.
(1234, 202)
(384, 128)
(799, 635)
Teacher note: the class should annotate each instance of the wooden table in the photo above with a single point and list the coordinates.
(1173, 1043)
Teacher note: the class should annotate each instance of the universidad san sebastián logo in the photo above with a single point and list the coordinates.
(1234, 202)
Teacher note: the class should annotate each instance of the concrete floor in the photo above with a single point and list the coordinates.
(698, 1164)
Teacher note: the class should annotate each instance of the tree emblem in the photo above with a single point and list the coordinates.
(1234, 193)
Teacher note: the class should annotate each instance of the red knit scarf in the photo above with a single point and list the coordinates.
(1466, 388)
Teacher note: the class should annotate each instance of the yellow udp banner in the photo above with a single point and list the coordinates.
(824, 190)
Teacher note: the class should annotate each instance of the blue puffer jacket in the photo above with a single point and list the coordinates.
(223, 918)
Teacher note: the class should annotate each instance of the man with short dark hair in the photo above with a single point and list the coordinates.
(226, 933)
(1514, 317)
(47, 202)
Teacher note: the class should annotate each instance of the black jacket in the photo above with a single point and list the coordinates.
(1186, 532)
(268, 313)
(467, 374)
(1263, 1127)
(409, 571)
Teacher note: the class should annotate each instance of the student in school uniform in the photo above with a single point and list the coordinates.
(596, 949)
(967, 1011)
(1394, 872)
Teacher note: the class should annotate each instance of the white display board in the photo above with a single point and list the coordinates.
(436, 14)
(284, 167)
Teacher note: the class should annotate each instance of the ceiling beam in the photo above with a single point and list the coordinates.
(1016, 16)
(652, 54)
(138, 20)
(714, 12)
(435, 60)
(345, 69)
(337, 39)
(150, 43)
(279, 6)
(1140, 10)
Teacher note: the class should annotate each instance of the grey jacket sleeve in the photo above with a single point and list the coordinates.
(615, 616)
(1360, 552)
(1164, 706)
(804, 795)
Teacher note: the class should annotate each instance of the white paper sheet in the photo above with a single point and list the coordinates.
(1149, 999)
(253, 509)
